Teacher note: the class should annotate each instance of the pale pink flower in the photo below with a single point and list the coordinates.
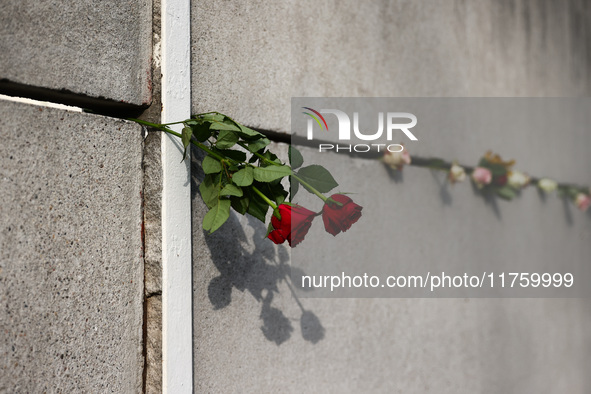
(396, 160)
(582, 201)
(481, 176)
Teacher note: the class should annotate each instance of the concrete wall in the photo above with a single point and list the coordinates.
(253, 335)
(251, 57)
(96, 49)
(71, 259)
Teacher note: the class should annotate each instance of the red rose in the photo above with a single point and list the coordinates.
(339, 218)
(500, 180)
(293, 226)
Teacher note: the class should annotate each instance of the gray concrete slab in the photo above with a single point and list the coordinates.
(253, 335)
(100, 49)
(71, 266)
(250, 57)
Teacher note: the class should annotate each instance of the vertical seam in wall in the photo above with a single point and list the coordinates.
(177, 295)
(144, 296)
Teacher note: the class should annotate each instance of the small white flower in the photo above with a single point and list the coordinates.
(456, 173)
(547, 185)
(396, 160)
(518, 179)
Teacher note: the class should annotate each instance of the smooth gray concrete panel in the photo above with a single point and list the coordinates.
(252, 334)
(71, 266)
(250, 57)
(101, 49)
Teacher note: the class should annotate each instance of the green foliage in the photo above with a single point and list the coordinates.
(186, 135)
(243, 177)
(240, 172)
(226, 139)
(270, 173)
(211, 165)
(295, 157)
(317, 177)
(217, 215)
(506, 192)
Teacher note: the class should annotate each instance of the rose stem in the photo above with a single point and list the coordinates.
(271, 203)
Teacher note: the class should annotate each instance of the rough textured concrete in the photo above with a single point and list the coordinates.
(153, 261)
(153, 222)
(100, 49)
(71, 266)
(253, 335)
(250, 57)
(154, 344)
(152, 213)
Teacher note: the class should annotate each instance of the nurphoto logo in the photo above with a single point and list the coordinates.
(395, 122)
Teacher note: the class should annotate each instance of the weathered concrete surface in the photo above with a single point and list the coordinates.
(153, 213)
(250, 57)
(153, 344)
(153, 222)
(100, 49)
(71, 267)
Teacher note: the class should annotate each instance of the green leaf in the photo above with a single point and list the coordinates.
(201, 131)
(497, 169)
(213, 117)
(217, 215)
(294, 186)
(270, 173)
(226, 139)
(274, 190)
(210, 190)
(225, 125)
(249, 134)
(211, 165)
(231, 190)
(318, 177)
(257, 207)
(257, 145)
(506, 192)
(240, 204)
(186, 134)
(244, 177)
(271, 156)
(232, 154)
(295, 157)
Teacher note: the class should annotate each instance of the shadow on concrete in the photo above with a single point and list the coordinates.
(396, 175)
(258, 268)
(444, 185)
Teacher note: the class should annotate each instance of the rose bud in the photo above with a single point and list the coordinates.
(396, 160)
(547, 185)
(337, 217)
(456, 173)
(481, 176)
(518, 179)
(293, 226)
(582, 201)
